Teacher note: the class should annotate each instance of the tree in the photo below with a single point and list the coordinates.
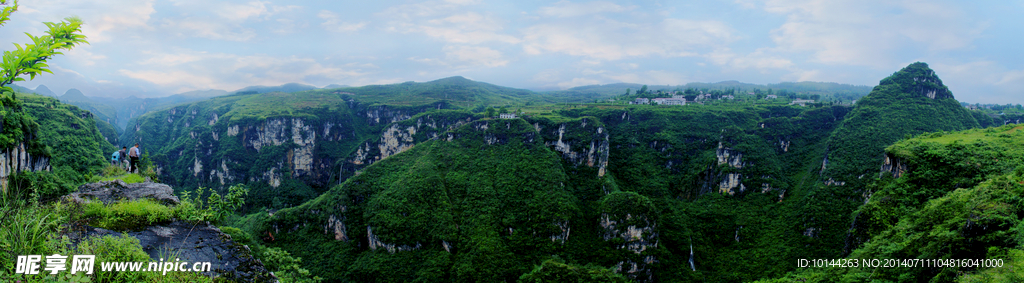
(30, 59)
(643, 90)
(490, 111)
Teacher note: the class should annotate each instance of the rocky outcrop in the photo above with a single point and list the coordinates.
(729, 156)
(581, 143)
(892, 166)
(193, 243)
(376, 243)
(395, 140)
(18, 159)
(731, 184)
(116, 190)
(336, 226)
(637, 239)
(384, 115)
(402, 136)
(562, 236)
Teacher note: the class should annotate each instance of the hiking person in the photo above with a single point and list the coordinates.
(133, 154)
(123, 157)
(114, 158)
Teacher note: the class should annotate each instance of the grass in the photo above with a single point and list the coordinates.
(996, 134)
(112, 172)
(127, 178)
(127, 215)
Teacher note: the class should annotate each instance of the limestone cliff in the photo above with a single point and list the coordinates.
(401, 136)
(18, 159)
(581, 142)
(630, 218)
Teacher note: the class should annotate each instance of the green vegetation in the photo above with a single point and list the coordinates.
(126, 215)
(30, 59)
(911, 101)
(36, 229)
(601, 192)
(455, 90)
(959, 197)
(554, 270)
(215, 209)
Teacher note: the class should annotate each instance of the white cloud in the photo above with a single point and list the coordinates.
(83, 55)
(446, 22)
(575, 82)
(659, 77)
(103, 18)
(982, 81)
(564, 9)
(239, 12)
(475, 55)
(215, 30)
(462, 2)
(191, 70)
(332, 22)
(612, 40)
(868, 33)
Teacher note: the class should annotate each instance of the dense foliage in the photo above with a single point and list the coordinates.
(958, 197)
(909, 102)
(346, 186)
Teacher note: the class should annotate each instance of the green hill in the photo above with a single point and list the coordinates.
(288, 146)
(480, 207)
(400, 182)
(290, 87)
(456, 90)
(909, 102)
(60, 146)
(942, 196)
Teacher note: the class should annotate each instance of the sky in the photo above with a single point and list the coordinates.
(151, 48)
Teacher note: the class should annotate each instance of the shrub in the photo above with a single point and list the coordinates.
(127, 215)
(555, 270)
(111, 249)
(215, 209)
(112, 170)
(40, 185)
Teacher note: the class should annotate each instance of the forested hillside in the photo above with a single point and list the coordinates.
(419, 182)
(941, 196)
(736, 191)
(59, 145)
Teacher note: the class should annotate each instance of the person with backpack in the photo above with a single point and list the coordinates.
(114, 159)
(133, 154)
(123, 157)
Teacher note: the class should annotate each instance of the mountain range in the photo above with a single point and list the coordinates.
(421, 182)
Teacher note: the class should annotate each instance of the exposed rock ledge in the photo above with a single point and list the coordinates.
(194, 243)
(200, 242)
(112, 191)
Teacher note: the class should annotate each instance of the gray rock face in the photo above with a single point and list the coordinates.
(18, 159)
(194, 243)
(112, 191)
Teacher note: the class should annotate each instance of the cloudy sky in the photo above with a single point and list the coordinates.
(155, 48)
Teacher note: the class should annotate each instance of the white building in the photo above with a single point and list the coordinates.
(771, 96)
(801, 102)
(507, 116)
(670, 101)
(642, 101)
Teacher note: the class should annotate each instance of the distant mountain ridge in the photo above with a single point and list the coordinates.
(43, 90)
(74, 95)
(289, 87)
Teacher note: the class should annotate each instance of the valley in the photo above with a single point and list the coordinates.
(426, 182)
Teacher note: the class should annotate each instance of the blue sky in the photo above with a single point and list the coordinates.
(156, 48)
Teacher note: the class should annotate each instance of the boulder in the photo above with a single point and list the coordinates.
(112, 191)
(193, 243)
